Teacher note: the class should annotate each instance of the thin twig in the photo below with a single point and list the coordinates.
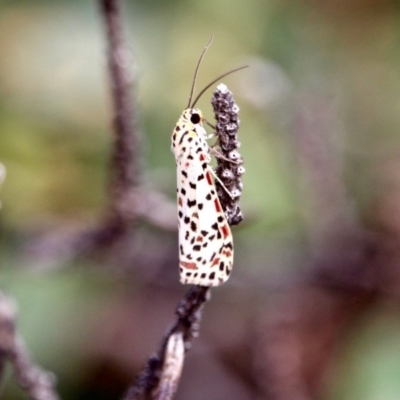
(188, 315)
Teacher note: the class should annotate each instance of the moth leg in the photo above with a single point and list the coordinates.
(220, 182)
(217, 154)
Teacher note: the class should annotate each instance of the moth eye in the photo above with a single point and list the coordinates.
(195, 118)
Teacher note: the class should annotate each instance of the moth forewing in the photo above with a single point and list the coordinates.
(205, 239)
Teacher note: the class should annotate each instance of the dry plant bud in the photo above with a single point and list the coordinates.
(229, 167)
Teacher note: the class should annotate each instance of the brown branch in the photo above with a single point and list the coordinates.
(125, 162)
(187, 324)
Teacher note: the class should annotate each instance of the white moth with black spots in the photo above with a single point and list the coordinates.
(205, 239)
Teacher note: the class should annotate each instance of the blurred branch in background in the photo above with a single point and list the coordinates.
(125, 163)
(129, 198)
(316, 133)
(37, 383)
(304, 323)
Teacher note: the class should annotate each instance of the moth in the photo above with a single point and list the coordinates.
(205, 238)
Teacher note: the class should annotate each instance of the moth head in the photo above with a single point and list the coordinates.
(188, 127)
(193, 116)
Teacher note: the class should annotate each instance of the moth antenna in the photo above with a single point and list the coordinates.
(212, 83)
(197, 69)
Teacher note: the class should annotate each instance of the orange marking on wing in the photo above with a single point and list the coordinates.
(180, 202)
(187, 165)
(188, 265)
(202, 158)
(209, 179)
(227, 253)
(217, 205)
(225, 231)
(215, 262)
(199, 239)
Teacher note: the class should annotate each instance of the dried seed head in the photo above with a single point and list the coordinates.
(230, 172)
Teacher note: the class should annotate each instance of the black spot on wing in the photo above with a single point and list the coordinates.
(191, 203)
(183, 135)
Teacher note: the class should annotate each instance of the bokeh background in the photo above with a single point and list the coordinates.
(320, 118)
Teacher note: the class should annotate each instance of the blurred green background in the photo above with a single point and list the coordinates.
(88, 324)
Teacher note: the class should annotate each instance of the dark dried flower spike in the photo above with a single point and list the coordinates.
(230, 173)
